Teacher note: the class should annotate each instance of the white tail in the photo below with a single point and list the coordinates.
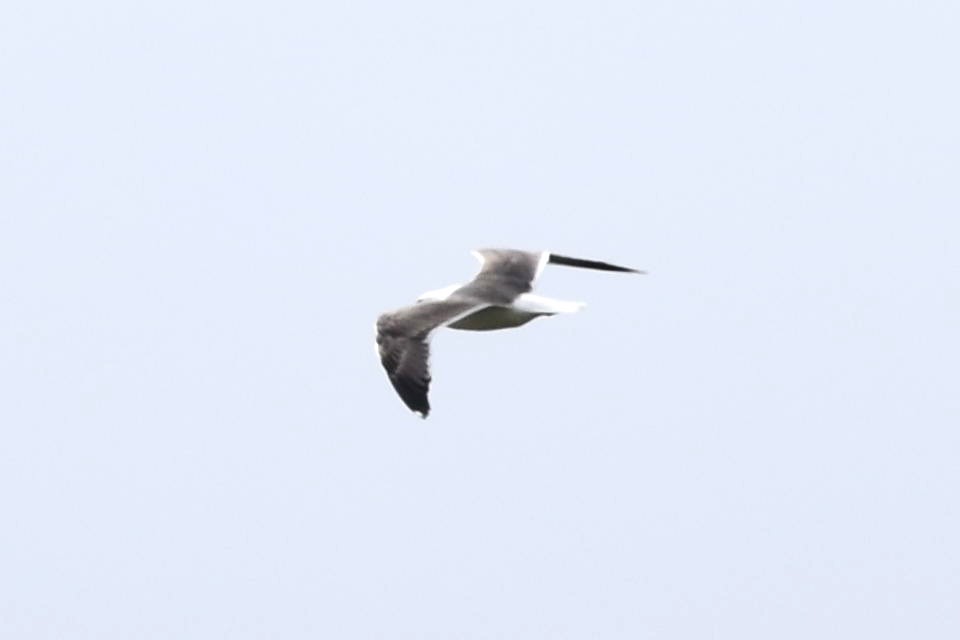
(532, 303)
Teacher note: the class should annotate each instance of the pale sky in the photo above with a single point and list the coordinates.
(206, 206)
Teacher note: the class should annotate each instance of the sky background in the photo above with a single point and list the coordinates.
(204, 207)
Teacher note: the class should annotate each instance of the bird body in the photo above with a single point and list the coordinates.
(497, 298)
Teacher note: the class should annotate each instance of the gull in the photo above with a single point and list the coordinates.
(497, 298)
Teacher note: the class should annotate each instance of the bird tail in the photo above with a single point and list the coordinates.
(532, 303)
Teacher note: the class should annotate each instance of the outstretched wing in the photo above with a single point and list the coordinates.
(589, 264)
(407, 361)
(504, 275)
(403, 340)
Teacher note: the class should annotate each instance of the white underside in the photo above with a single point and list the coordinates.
(524, 309)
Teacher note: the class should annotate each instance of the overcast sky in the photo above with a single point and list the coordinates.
(205, 206)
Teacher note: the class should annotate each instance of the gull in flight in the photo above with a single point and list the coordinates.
(497, 298)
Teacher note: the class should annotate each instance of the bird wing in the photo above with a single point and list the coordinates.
(588, 264)
(504, 275)
(403, 340)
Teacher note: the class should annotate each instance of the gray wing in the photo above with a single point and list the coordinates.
(507, 274)
(406, 361)
(403, 340)
(504, 275)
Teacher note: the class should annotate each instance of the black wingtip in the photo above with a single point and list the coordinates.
(589, 264)
(422, 409)
(413, 395)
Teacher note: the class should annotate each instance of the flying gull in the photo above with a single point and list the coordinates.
(497, 298)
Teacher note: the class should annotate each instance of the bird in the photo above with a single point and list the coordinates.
(499, 297)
